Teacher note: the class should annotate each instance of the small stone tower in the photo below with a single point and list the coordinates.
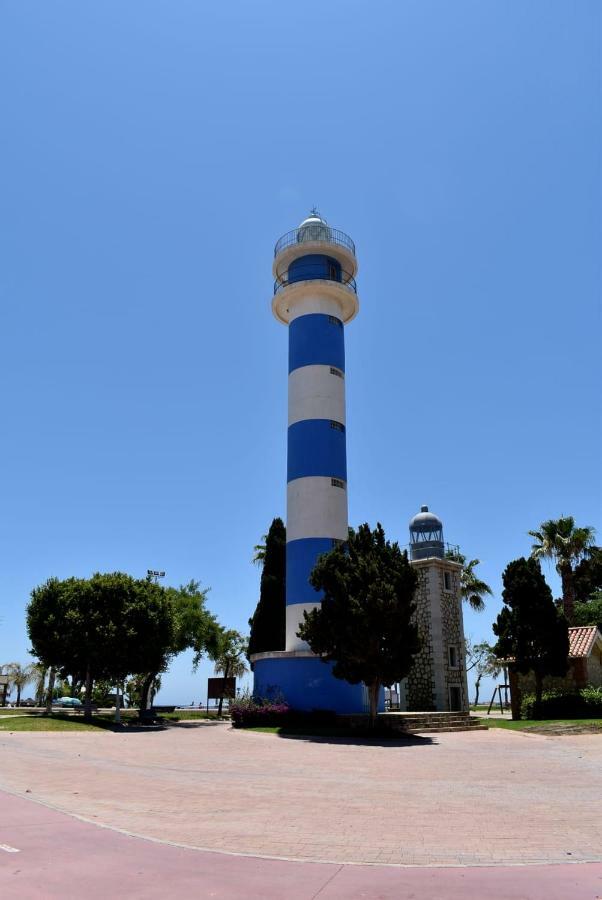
(438, 677)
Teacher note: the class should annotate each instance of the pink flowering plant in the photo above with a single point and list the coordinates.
(247, 711)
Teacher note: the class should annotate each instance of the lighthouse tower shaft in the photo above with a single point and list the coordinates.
(315, 294)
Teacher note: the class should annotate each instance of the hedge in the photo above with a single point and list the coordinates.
(559, 704)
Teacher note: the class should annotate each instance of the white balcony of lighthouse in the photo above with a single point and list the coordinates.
(315, 265)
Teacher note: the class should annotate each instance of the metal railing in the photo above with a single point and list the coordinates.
(317, 232)
(449, 550)
(342, 278)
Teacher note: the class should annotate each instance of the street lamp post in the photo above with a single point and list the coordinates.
(154, 575)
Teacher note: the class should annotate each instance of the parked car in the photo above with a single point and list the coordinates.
(28, 702)
(68, 702)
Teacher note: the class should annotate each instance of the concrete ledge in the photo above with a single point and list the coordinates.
(282, 654)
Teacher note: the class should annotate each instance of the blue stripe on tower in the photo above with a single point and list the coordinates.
(314, 340)
(316, 447)
(301, 557)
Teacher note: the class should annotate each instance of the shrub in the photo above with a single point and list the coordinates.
(564, 704)
(247, 711)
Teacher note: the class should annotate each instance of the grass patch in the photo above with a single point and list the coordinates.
(21, 720)
(50, 723)
(533, 724)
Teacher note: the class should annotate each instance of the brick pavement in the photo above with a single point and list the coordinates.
(485, 798)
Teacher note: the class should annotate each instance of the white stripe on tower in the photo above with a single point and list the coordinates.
(316, 508)
(316, 392)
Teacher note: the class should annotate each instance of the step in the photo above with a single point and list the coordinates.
(451, 728)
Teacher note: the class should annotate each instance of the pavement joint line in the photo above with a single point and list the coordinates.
(330, 862)
(328, 881)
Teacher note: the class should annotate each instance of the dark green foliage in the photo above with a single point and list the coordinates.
(558, 704)
(530, 630)
(112, 625)
(193, 627)
(364, 623)
(473, 589)
(588, 590)
(589, 613)
(588, 576)
(105, 627)
(269, 619)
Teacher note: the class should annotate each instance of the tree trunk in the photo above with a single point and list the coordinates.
(18, 695)
(538, 693)
(221, 699)
(51, 677)
(373, 691)
(88, 694)
(144, 693)
(477, 686)
(40, 682)
(515, 695)
(568, 591)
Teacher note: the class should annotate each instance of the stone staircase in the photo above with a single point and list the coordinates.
(422, 722)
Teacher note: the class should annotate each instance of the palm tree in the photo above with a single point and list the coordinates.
(259, 551)
(19, 676)
(38, 678)
(229, 659)
(472, 588)
(561, 541)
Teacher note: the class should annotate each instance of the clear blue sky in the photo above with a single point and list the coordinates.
(152, 153)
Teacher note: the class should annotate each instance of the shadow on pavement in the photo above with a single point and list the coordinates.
(410, 740)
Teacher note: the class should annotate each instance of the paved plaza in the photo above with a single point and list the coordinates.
(457, 799)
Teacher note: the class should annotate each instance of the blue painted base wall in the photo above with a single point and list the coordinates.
(307, 683)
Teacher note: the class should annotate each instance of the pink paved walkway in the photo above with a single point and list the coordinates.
(62, 858)
(487, 798)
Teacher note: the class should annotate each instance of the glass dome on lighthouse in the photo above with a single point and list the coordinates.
(426, 535)
(314, 228)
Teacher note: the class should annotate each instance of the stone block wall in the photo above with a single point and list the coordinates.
(439, 620)
(420, 686)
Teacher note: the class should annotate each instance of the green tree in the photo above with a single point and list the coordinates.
(39, 671)
(588, 590)
(589, 613)
(193, 627)
(472, 588)
(560, 540)
(588, 576)
(105, 627)
(364, 624)
(268, 624)
(229, 658)
(482, 659)
(133, 690)
(19, 677)
(532, 634)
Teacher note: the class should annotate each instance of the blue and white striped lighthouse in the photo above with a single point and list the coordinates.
(315, 294)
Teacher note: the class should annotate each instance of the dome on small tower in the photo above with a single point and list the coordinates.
(314, 228)
(426, 535)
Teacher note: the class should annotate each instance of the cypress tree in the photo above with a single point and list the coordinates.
(530, 630)
(269, 619)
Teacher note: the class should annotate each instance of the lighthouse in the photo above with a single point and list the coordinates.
(315, 296)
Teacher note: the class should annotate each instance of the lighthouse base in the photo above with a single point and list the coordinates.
(306, 683)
